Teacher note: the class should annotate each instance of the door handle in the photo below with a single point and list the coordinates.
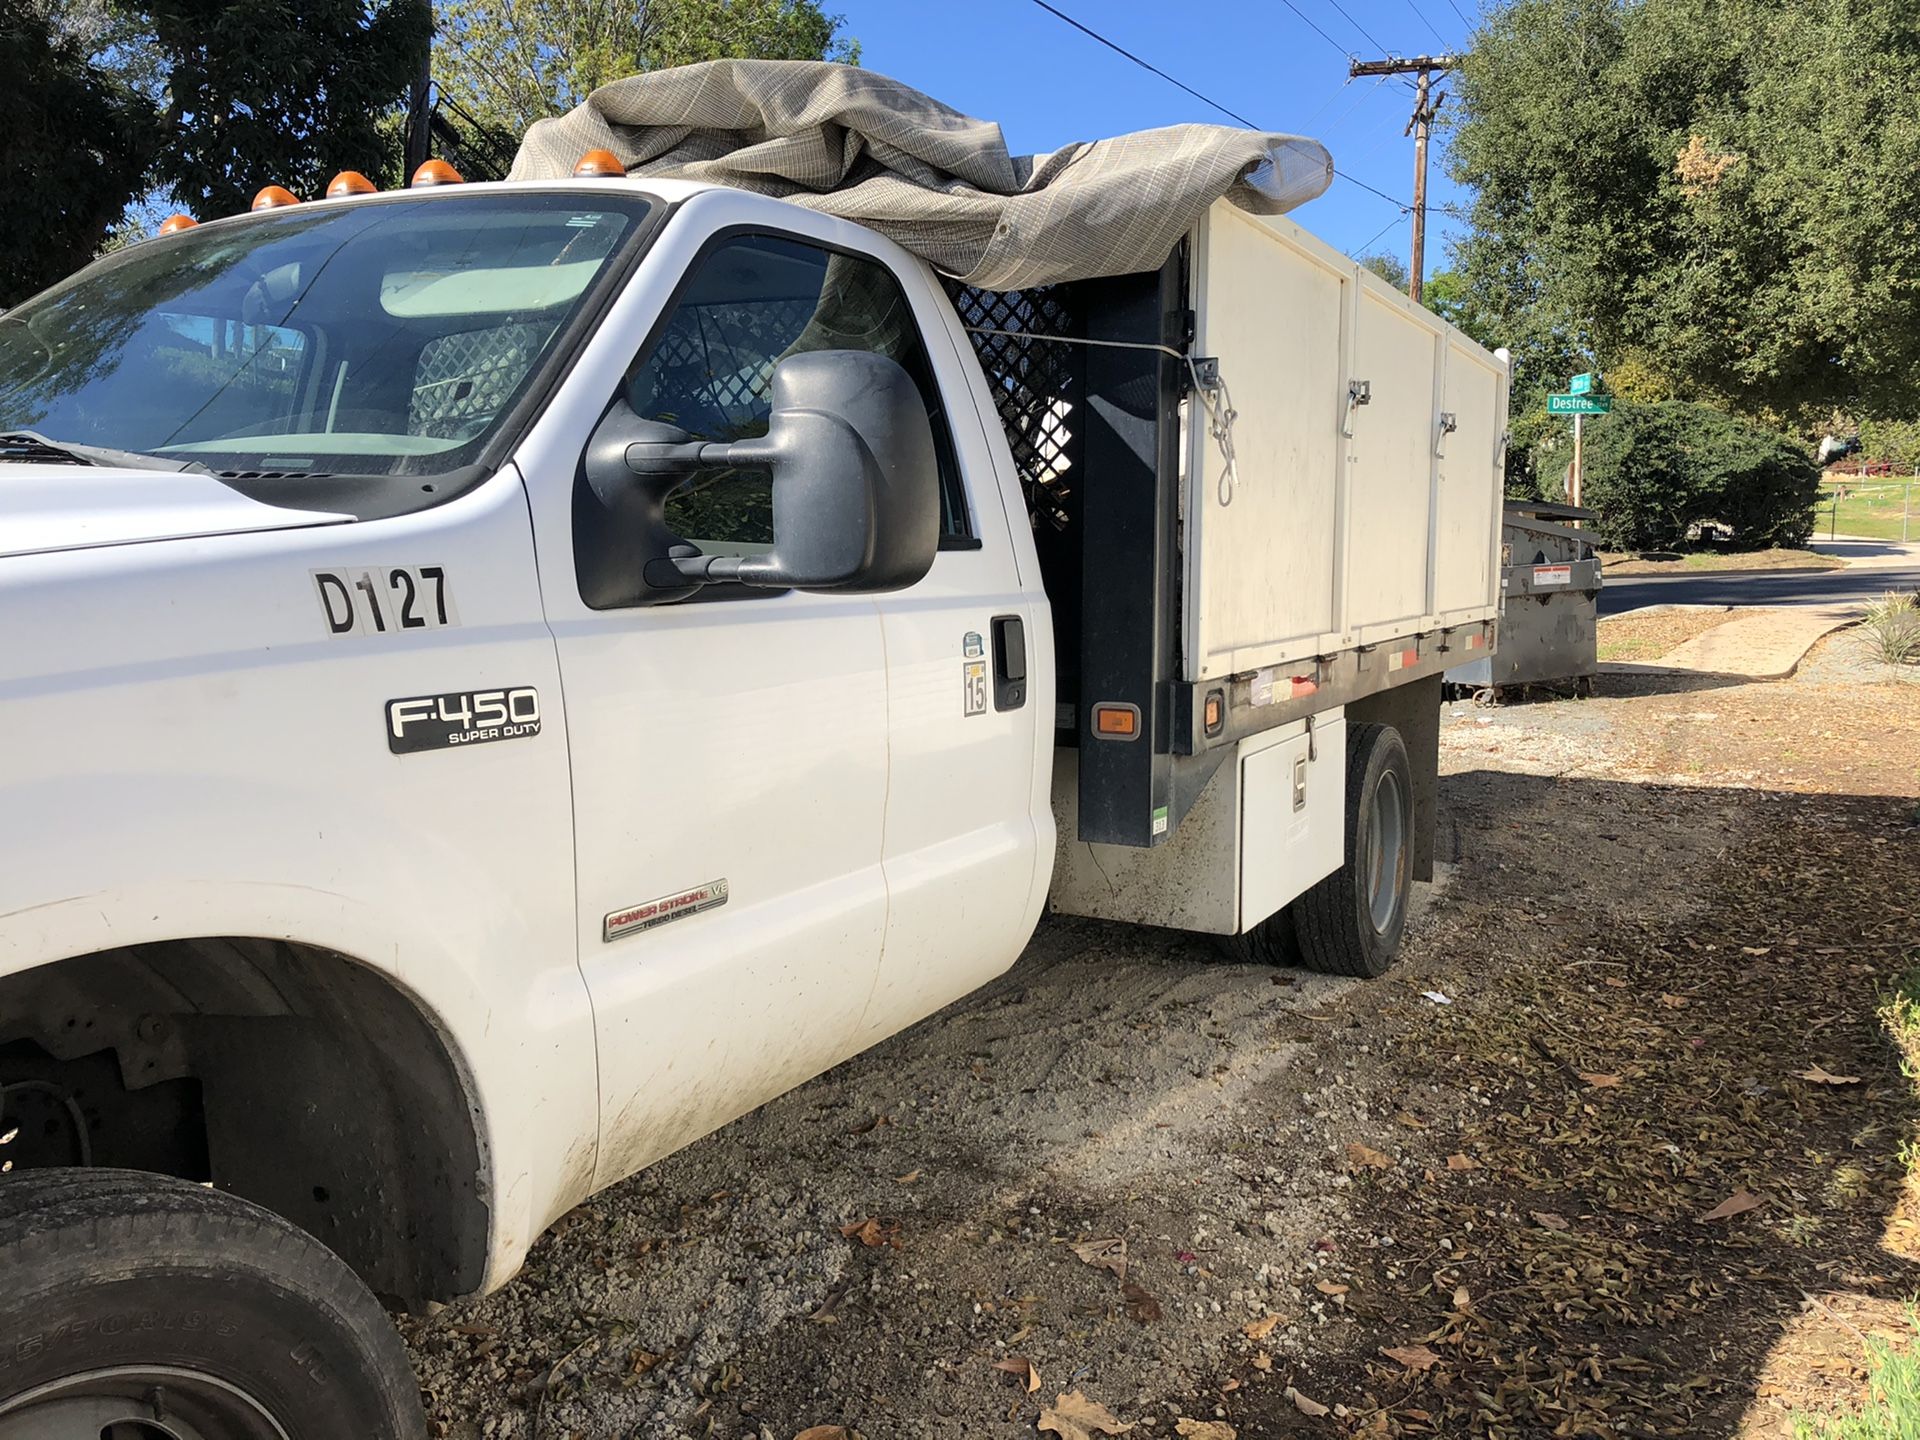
(1009, 662)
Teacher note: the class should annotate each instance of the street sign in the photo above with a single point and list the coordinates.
(1579, 404)
(1581, 385)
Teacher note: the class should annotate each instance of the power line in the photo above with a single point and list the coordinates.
(1390, 199)
(1362, 249)
(1463, 16)
(1145, 65)
(1316, 29)
(1356, 25)
(1421, 15)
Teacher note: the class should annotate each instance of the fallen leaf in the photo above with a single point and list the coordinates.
(1819, 1075)
(1365, 1157)
(1756, 949)
(872, 1233)
(1330, 1287)
(1409, 1119)
(1599, 1081)
(906, 1179)
(1142, 1308)
(1104, 1255)
(1021, 1369)
(826, 1432)
(1737, 1203)
(829, 1311)
(641, 1361)
(1205, 1430)
(867, 1126)
(1462, 1298)
(1263, 1362)
(1615, 981)
(1674, 1002)
(1547, 1220)
(1304, 1405)
(1260, 1329)
(1073, 1416)
(1414, 1357)
(1462, 1162)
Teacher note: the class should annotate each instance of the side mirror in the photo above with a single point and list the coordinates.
(856, 492)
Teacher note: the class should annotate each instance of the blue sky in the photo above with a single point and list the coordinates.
(1046, 83)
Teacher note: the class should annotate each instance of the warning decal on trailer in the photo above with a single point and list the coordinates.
(1546, 575)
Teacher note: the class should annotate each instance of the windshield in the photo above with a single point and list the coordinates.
(385, 338)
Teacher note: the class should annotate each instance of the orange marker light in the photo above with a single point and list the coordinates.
(437, 172)
(599, 162)
(349, 182)
(174, 224)
(1116, 722)
(274, 197)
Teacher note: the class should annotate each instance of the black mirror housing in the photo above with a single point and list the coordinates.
(856, 489)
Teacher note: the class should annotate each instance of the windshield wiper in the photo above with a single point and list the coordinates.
(30, 447)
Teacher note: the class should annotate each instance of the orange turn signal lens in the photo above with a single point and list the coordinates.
(349, 182)
(1113, 721)
(274, 197)
(600, 162)
(174, 224)
(1215, 714)
(437, 172)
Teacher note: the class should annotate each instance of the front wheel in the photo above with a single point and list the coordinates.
(141, 1306)
(1351, 922)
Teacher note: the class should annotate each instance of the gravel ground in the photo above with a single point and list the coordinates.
(1154, 1177)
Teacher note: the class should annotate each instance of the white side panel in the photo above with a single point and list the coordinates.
(1471, 483)
(1262, 576)
(1293, 818)
(1389, 530)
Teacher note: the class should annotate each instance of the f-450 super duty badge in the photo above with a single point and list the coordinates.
(467, 717)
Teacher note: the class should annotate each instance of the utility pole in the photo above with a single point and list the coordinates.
(1427, 104)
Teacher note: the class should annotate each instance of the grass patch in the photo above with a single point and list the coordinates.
(1873, 508)
(1672, 562)
(1890, 629)
(1893, 1406)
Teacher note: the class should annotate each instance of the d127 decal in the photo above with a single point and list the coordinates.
(385, 598)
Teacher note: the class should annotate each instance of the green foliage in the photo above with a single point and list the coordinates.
(511, 62)
(75, 141)
(264, 93)
(1388, 266)
(1654, 471)
(1894, 440)
(1726, 187)
(1892, 1408)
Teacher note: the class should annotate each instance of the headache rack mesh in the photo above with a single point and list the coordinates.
(1037, 387)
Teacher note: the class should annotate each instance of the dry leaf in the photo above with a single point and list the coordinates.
(1365, 1157)
(826, 1432)
(1304, 1405)
(1737, 1203)
(1021, 1369)
(1263, 1362)
(1674, 1002)
(872, 1234)
(1073, 1416)
(1330, 1287)
(1547, 1220)
(1462, 1298)
(906, 1179)
(867, 1126)
(1141, 1307)
(1756, 949)
(1205, 1430)
(1462, 1162)
(1600, 1082)
(1409, 1119)
(1615, 981)
(1414, 1357)
(1104, 1255)
(1260, 1329)
(1819, 1075)
(829, 1311)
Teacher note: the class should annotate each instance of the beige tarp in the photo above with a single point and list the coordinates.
(855, 144)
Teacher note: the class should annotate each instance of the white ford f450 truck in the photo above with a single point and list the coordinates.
(497, 681)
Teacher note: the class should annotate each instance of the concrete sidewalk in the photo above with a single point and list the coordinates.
(1765, 646)
(1861, 553)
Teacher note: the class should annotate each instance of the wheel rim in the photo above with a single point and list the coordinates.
(1386, 852)
(138, 1402)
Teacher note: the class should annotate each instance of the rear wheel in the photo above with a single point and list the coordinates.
(1351, 922)
(138, 1307)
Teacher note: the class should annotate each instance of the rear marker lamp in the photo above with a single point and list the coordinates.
(1114, 721)
(1214, 717)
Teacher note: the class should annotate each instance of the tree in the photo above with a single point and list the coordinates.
(1389, 267)
(1723, 187)
(75, 142)
(511, 62)
(265, 93)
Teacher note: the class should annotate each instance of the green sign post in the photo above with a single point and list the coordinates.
(1581, 384)
(1579, 404)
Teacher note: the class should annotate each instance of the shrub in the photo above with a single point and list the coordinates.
(1890, 629)
(1654, 471)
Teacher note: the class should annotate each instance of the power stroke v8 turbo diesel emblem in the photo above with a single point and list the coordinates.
(465, 717)
(667, 907)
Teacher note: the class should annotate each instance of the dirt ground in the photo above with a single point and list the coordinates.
(1650, 632)
(1667, 563)
(1562, 1173)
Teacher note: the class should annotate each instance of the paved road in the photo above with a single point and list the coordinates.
(1756, 587)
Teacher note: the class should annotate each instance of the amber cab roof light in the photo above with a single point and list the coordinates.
(174, 224)
(600, 162)
(274, 197)
(349, 182)
(437, 172)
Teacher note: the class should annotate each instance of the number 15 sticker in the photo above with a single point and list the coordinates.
(975, 698)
